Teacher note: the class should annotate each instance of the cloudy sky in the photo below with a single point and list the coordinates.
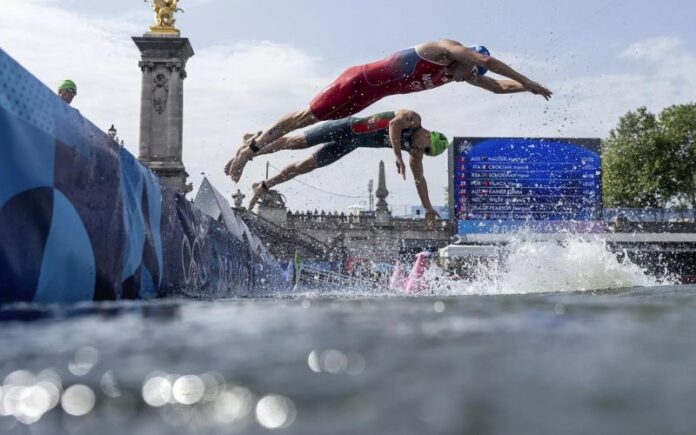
(259, 59)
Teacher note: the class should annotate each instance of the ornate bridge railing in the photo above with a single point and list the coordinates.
(264, 227)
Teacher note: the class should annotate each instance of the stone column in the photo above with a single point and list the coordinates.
(163, 65)
(382, 213)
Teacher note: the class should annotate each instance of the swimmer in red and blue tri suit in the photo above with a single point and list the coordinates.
(416, 69)
(400, 131)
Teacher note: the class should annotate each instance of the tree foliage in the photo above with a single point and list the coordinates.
(650, 161)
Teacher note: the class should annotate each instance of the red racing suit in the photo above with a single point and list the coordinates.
(361, 86)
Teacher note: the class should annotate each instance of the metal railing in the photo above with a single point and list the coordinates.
(658, 215)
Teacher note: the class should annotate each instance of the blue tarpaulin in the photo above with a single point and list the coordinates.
(82, 219)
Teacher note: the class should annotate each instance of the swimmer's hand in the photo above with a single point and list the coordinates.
(401, 167)
(537, 89)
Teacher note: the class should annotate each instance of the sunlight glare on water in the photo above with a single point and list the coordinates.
(78, 400)
(188, 389)
(275, 412)
(414, 362)
(157, 391)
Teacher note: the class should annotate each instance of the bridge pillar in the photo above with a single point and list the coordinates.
(163, 68)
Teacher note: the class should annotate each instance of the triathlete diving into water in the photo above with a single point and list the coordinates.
(415, 69)
(400, 131)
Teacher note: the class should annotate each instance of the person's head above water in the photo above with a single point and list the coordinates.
(67, 91)
(469, 71)
(433, 143)
(438, 143)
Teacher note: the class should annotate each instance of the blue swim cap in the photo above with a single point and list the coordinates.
(480, 49)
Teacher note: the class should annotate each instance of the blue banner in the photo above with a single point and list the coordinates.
(82, 219)
(503, 184)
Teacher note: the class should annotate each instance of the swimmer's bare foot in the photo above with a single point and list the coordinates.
(244, 154)
(236, 165)
(245, 141)
(229, 165)
(259, 189)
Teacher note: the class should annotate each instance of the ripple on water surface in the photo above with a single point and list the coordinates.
(561, 337)
(517, 364)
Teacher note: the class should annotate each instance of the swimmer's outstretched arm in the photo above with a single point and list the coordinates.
(404, 119)
(498, 86)
(416, 164)
(458, 52)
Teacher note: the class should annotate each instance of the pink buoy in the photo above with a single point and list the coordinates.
(415, 282)
(398, 278)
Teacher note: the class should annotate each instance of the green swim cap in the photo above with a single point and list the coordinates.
(438, 143)
(68, 85)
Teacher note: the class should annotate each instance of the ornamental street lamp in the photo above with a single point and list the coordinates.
(238, 198)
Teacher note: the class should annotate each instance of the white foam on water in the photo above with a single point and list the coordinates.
(524, 266)
(528, 266)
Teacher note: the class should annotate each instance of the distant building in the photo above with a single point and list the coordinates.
(376, 236)
(418, 212)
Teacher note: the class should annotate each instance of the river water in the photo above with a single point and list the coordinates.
(579, 344)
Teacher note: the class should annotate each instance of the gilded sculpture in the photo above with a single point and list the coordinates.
(164, 16)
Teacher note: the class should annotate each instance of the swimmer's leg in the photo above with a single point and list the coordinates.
(287, 173)
(290, 122)
(328, 154)
(284, 143)
(252, 145)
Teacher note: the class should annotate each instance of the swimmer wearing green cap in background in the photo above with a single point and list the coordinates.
(67, 91)
(400, 131)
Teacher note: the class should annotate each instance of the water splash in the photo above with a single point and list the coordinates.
(527, 266)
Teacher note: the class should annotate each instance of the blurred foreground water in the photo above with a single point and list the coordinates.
(518, 349)
(616, 361)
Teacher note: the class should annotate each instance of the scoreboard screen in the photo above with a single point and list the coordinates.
(543, 184)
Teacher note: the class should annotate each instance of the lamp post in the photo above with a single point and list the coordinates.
(238, 198)
(113, 134)
(370, 186)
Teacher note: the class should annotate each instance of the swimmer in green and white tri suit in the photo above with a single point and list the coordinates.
(400, 131)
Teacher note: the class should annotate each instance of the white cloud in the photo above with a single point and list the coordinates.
(244, 86)
(654, 49)
(56, 44)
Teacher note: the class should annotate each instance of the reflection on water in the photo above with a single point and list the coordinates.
(616, 361)
(206, 399)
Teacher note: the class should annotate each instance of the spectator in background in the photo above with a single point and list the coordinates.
(67, 91)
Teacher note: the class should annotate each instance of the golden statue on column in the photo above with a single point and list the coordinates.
(164, 16)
